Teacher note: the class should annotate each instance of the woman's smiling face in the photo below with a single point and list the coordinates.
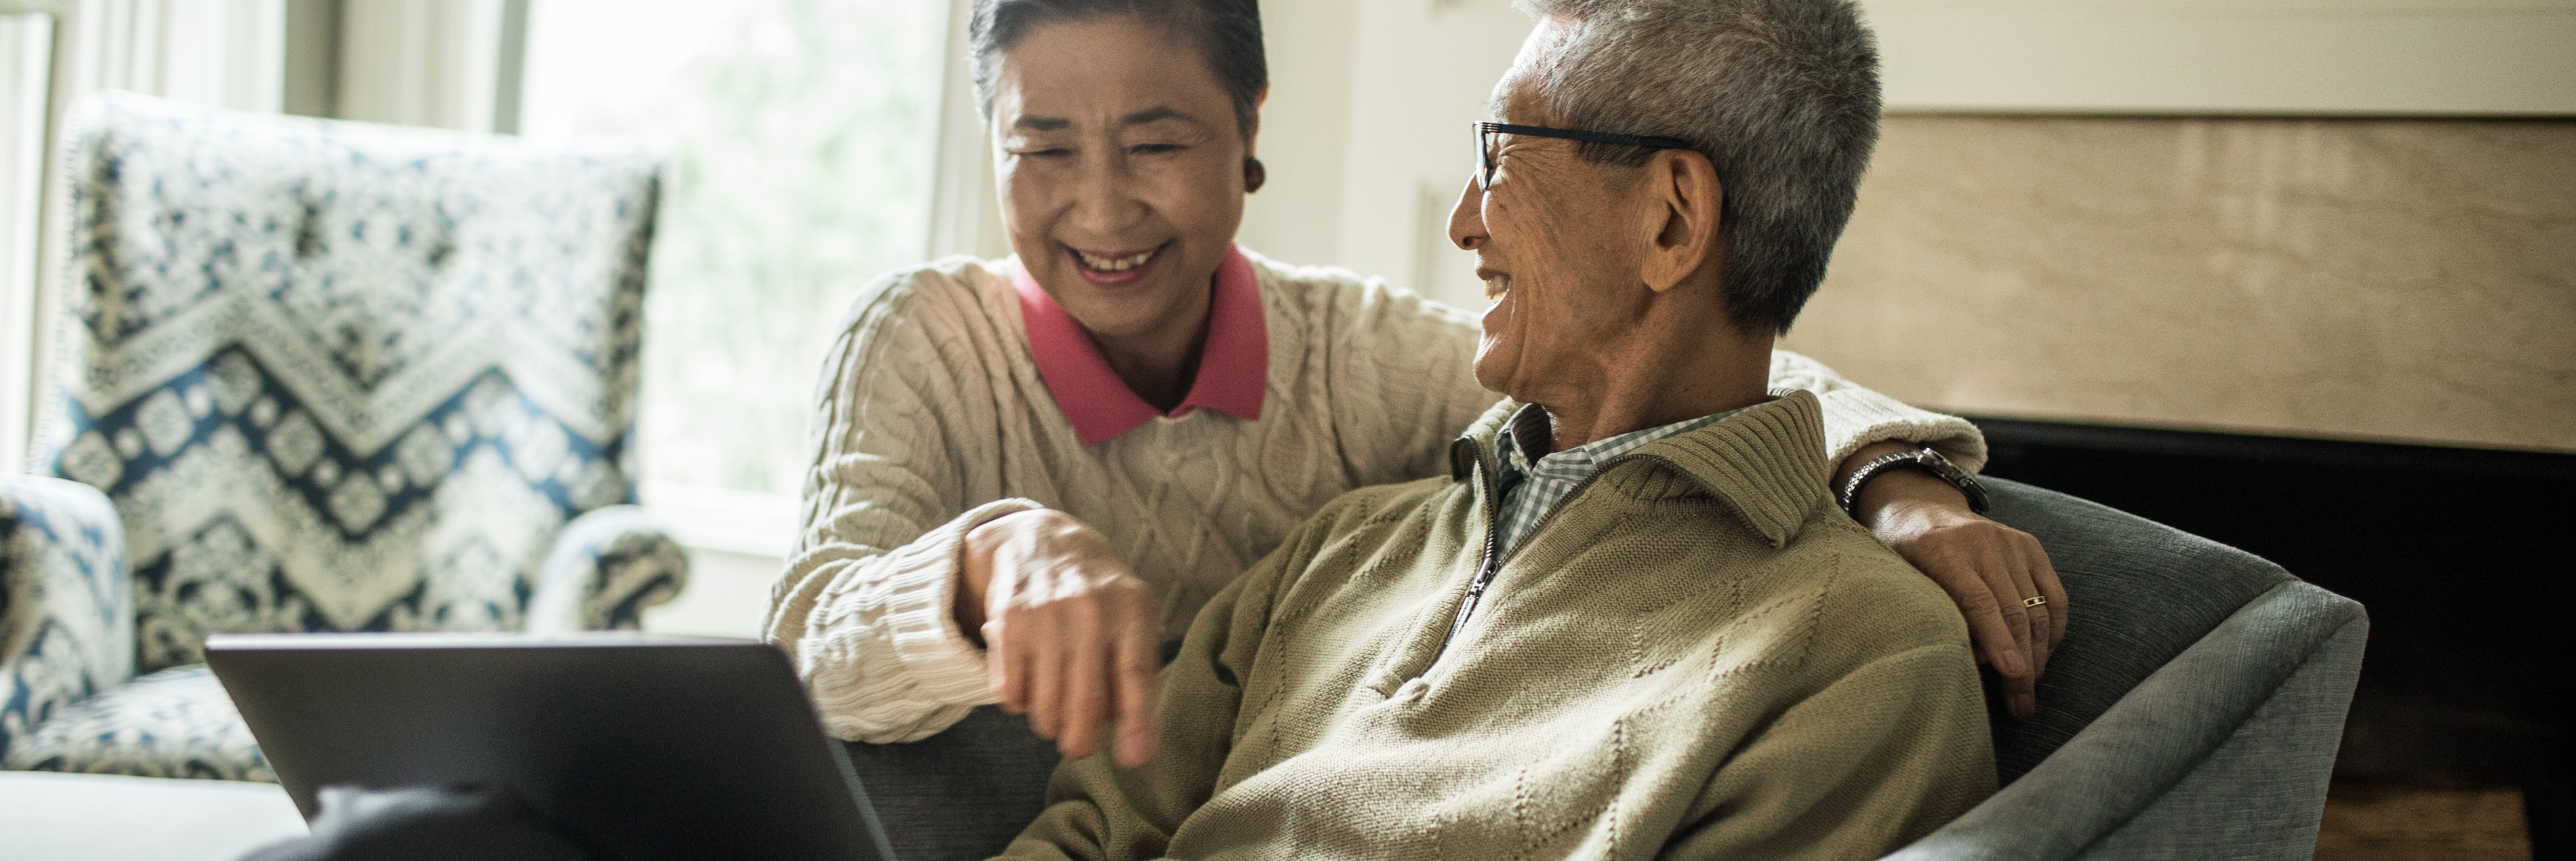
(1121, 170)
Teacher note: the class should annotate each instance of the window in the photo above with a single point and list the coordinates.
(802, 136)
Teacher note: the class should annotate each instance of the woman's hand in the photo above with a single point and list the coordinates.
(1069, 634)
(1990, 569)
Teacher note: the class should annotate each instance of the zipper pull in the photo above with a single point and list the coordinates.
(1466, 608)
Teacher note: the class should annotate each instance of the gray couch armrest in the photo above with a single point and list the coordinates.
(606, 568)
(66, 601)
(2225, 752)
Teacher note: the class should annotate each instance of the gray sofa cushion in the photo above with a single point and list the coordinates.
(963, 793)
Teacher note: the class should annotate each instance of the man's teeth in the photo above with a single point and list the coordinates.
(1498, 285)
(1113, 264)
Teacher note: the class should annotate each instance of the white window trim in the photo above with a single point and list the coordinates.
(717, 518)
(965, 217)
(445, 63)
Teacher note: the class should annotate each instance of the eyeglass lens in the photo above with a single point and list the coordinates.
(1484, 156)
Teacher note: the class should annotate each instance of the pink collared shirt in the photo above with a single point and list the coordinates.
(1234, 366)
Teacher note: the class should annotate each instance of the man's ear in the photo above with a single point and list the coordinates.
(1681, 199)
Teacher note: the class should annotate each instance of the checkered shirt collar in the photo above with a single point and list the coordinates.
(1529, 490)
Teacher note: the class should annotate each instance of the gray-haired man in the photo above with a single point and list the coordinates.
(1553, 652)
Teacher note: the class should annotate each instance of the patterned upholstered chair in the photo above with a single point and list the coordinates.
(317, 376)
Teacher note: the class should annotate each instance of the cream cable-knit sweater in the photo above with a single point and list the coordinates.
(931, 419)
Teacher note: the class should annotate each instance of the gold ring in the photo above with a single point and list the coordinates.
(2035, 600)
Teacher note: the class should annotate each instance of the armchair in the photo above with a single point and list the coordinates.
(318, 376)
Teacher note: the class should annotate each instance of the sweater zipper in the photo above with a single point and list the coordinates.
(1487, 567)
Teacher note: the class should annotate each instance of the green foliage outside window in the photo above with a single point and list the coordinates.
(802, 135)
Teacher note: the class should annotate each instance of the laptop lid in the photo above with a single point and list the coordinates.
(643, 746)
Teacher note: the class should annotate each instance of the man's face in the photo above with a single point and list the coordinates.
(1557, 244)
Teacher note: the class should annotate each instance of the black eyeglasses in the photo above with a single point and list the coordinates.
(1485, 133)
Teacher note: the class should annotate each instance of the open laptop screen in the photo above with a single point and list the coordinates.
(644, 746)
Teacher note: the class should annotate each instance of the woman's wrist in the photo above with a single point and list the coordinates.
(1893, 489)
(1890, 488)
(975, 570)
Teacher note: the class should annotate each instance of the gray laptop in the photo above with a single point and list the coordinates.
(643, 746)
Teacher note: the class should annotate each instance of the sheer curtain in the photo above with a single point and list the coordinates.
(221, 52)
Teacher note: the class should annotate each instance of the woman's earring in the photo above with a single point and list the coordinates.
(1253, 174)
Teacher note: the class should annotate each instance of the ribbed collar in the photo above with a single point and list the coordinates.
(1234, 365)
(1767, 462)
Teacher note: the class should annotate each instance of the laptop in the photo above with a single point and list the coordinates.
(642, 746)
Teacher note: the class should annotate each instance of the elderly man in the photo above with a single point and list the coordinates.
(1633, 622)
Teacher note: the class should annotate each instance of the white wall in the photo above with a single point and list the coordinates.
(1365, 134)
(1304, 127)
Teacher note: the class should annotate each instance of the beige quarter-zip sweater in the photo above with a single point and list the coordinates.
(1696, 656)
(933, 417)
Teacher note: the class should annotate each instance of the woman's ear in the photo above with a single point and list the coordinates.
(1682, 199)
(1254, 175)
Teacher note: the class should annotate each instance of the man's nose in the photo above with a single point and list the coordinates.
(1467, 219)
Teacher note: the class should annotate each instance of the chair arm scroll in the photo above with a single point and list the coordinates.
(606, 568)
(66, 601)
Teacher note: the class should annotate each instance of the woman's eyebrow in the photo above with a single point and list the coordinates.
(1159, 113)
(1156, 114)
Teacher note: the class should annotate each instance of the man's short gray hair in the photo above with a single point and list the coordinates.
(1782, 95)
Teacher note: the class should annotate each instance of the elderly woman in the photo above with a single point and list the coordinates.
(1030, 474)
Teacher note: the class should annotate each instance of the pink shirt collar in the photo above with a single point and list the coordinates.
(1234, 366)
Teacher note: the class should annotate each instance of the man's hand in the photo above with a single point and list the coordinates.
(1069, 634)
(1990, 569)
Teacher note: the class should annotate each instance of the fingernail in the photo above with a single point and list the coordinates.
(2023, 705)
(2012, 664)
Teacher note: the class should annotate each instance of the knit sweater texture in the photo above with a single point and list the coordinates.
(1697, 656)
(932, 419)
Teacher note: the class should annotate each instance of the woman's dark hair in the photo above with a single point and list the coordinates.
(1228, 33)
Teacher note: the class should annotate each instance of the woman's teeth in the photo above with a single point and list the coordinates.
(1113, 264)
(1498, 285)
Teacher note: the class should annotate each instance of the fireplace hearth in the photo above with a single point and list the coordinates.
(2461, 555)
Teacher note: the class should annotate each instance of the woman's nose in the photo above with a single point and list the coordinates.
(1105, 198)
(1467, 219)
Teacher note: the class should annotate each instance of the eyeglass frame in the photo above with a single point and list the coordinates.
(1486, 163)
